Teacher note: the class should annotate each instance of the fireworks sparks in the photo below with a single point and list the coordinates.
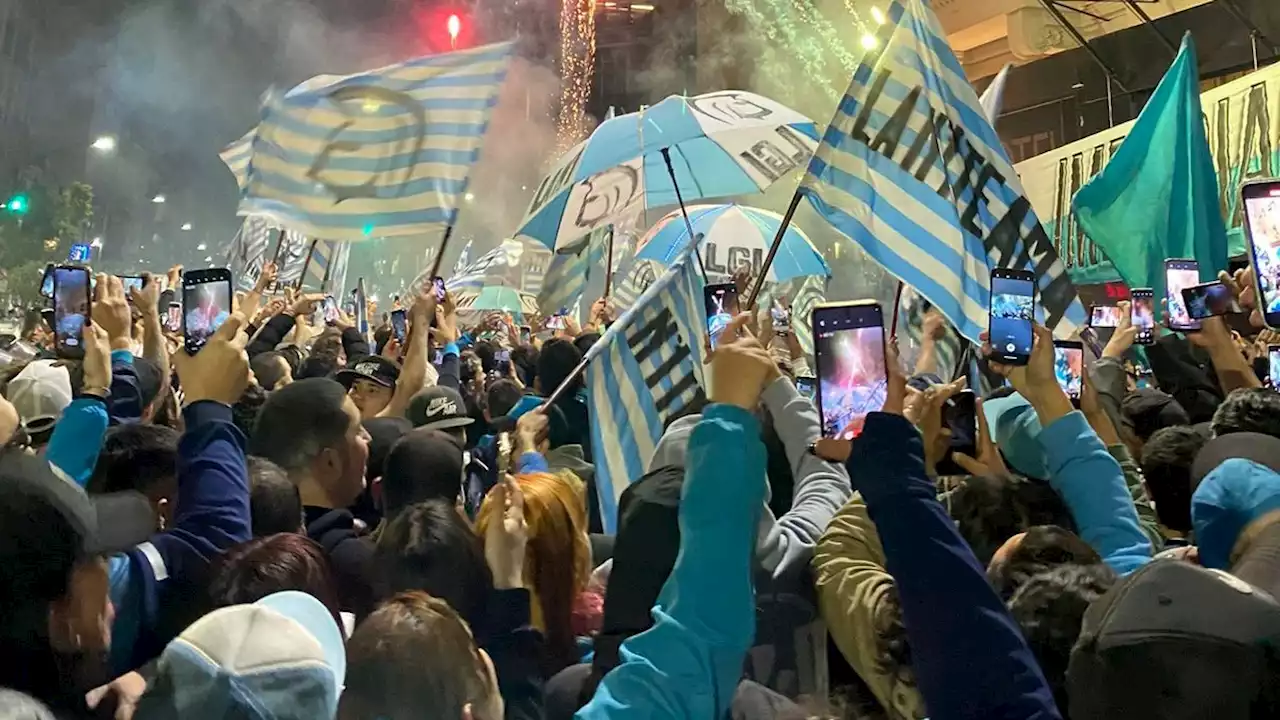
(577, 64)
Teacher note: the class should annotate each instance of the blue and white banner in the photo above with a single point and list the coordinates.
(499, 266)
(912, 171)
(568, 274)
(645, 369)
(378, 154)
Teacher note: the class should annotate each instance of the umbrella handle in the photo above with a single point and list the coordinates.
(666, 157)
(773, 250)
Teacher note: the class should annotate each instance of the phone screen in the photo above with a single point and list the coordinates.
(1105, 316)
(721, 301)
(781, 319)
(807, 387)
(437, 282)
(502, 358)
(70, 307)
(330, 309)
(1262, 224)
(131, 283)
(1143, 314)
(1068, 367)
(1209, 299)
(1012, 314)
(555, 322)
(399, 326)
(1273, 356)
(1179, 274)
(46, 283)
(526, 334)
(852, 377)
(206, 299)
(173, 317)
(960, 416)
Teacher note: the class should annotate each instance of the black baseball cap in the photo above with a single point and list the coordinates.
(438, 408)
(1174, 641)
(374, 368)
(105, 524)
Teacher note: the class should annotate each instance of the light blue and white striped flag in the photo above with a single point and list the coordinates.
(292, 258)
(568, 274)
(644, 370)
(632, 284)
(496, 267)
(805, 294)
(464, 259)
(248, 251)
(911, 170)
(382, 153)
(325, 256)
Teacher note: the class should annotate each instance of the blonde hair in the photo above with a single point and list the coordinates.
(557, 563)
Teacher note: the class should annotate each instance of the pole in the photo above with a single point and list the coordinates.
(666, 157)
(564, 385)
(773, 250)
(897, 305)
(1071, 30)
(306, 265)
(275, 260)
(608, 267)
(1146, 20)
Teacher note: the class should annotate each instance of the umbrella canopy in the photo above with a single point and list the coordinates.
(497, 298)
(722, 143)
(731, 235)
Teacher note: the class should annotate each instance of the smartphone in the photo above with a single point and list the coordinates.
(206, 303)
(70, 308)
(329, 310)
(1068, 366)
(502, 361)
(808, 387)
(438, 358)
(1013, 299)
(173, 317)
(721, 302)
(399, 324)
(1179, 274)
(555, 322)
(526, 334)
(849, 349)
(1142, 313)
(1273, 358)
(1209, 299)
(960, 416)
(130, 283)
(46, 282)
(1090, 338)
(1104, 316)
(1261, 199)
(50, 319)
(437, 282)
(781, 319)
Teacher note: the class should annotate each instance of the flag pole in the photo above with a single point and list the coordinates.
(897, 305)
(608, 267)
(306, 265)
(666, 157)
(773, 251)
(275, 260)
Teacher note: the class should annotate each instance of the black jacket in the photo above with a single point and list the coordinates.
(350, 556)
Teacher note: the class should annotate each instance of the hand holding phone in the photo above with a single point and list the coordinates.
(851, 364)
(1143, 315)
(1068, 367)
(1209, 299)
(1261, 200)
(721, 304)
(1180, 274)
(1011, 332)
(399, 324)
(70, 308)
(206, 299)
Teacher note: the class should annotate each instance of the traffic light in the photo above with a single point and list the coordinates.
(18, 204)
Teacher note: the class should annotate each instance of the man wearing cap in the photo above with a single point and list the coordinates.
(40, 393)
(370, 383)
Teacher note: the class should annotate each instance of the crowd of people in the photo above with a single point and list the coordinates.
(301, 521)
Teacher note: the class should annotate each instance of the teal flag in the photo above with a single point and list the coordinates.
(1158, 196)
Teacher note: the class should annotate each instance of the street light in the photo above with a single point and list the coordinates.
(104, 144)
(186, 226)
(158, 199)
(209, 259)
(469, 197)
(97, 242)
(201, 247)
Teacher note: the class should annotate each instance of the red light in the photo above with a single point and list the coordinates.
(454, 24)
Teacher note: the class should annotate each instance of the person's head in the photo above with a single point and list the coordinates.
(1166, 469)
(423, 465)
(1040, 548)
(440, 407)
(1050, 607)
(272, 370)
(143, 458)
(274, 503)
(244, 413)
(431, 547)
(557, 361)
(384, 433)
(1235, 482)
(312, 430)
(41, 391)
(319, 365)
(1147, 410)
(989, 510)
(370, 382)
(150, 377)
(252, 570)
(415, 658)
(584, 341)
(486, 352)
(1248, 410)
(501, 396)
(558, 556)
(525, 358)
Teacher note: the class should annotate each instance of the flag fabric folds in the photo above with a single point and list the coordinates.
(1157, 197)
(566, 278)
(911, 170)
(499, 266)
(645, 370)
(806, 294)
(248, 251)
(377, 154)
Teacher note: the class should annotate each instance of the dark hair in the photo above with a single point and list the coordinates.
(381, 336)
(252, 570)
(424, 464)
(1248, 410)
(135, 457)
(1166, 468)
(1042, 548)
(501, 396)
(413, 658)
(318, 365)
(293, 355)
(1050, 607)
(558, 358)
(525, 358)
(989, 510)
(300, 420)
(274, 503)
(267, 370)
(430, 547)
(245, 411)
(584, 341)
(486, 351)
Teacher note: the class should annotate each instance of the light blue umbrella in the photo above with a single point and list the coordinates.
(497, 298)
(718, 144)
(731, 235)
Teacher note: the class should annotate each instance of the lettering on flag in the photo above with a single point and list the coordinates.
(659, 349)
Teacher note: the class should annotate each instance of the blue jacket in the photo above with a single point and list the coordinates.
(688, 664)
(1092, 485)
(969, 656)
